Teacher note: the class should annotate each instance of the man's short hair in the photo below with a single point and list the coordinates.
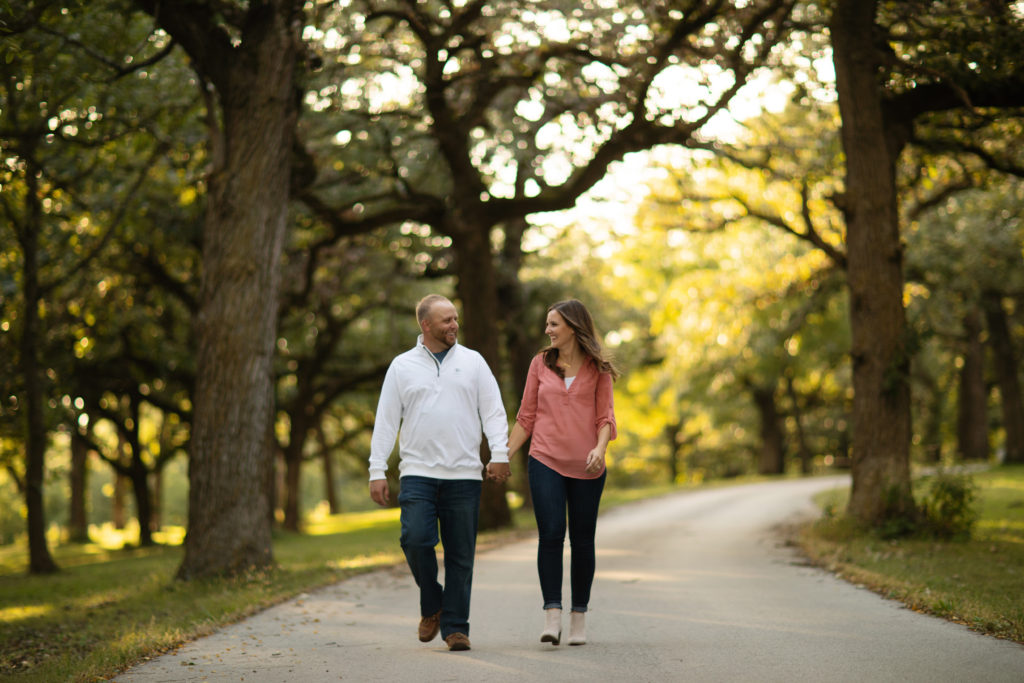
(426, 303)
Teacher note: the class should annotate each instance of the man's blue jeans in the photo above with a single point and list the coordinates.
(554, 496)
(454, 506)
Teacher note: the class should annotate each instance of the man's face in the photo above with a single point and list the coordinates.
(441, 324)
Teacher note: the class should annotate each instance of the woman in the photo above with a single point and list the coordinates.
(568, 415)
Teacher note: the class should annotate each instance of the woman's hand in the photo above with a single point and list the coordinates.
(595, 458)
(595, 461)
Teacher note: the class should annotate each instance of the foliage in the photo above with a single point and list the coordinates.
(12, 522)
(782, 172)
(123, 215)
(972, 581)
(897, 69)
(945, 509)
(715, 305)
(701, 304)
(948, 509)
(340, 327)
(960, 251)
(468, 118)
(529, 92)
(73, 167)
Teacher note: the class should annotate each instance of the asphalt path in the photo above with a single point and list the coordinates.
(695, 586)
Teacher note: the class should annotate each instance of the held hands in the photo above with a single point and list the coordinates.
(498, 471)
(595, 461)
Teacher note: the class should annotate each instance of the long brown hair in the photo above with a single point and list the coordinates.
(577, 317)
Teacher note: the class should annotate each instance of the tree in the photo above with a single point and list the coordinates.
(963, 256)
(972, 416)
(128, 317)
(247, 57)
(479, 115)
(334, 337)
(895, 65)
(59, 125)
(880, 358)
(949, 154)
(758, 220)
(1007, 374)
(725, 308)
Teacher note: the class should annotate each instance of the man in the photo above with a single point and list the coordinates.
(442, 395)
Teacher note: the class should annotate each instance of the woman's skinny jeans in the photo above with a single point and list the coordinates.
(554, 498)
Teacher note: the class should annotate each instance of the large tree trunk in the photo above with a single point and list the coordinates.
(521, 334)
(881, 403)
(39, 559)
(228, 519)
(1005, 362)
(477, 289)
(772, 458)
(972, 407)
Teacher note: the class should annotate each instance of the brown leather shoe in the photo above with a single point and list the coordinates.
(457, 641)
(429, 626)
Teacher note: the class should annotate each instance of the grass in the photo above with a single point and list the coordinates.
(108, 608)
(977, 582)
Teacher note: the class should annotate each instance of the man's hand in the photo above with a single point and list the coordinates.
(379, 492)
(498, 471)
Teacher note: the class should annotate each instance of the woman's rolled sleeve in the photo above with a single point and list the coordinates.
(604, 404)
(527, 415)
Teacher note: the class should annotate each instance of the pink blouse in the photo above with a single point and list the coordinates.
(563, 423)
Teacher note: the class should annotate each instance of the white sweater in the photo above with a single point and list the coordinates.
(441, 409)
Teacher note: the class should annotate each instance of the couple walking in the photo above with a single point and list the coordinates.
(439, 398)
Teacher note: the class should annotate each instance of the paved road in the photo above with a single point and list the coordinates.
(691, 587)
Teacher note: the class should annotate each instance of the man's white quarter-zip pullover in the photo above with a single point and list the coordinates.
(438, 411)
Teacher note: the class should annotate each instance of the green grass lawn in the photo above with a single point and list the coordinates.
(108, 608)
(978, 582)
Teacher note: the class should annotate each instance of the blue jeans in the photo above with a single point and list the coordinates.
(454, 506)
(553, 497)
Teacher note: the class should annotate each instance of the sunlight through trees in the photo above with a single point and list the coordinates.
(797, 224)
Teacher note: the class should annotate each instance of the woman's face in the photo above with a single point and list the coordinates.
(560, 334)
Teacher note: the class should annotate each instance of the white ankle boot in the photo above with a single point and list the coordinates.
(552, 632)
(577, 628)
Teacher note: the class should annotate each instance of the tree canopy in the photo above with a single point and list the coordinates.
(218, 216)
